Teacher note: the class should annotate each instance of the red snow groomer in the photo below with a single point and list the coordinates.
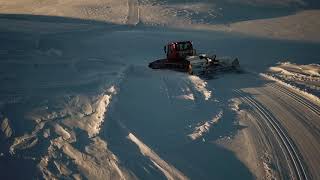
(182, 57)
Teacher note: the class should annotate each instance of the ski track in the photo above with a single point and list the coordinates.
(297, 98)
(287, 146)
(309, 122)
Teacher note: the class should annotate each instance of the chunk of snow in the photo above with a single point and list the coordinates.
(186, 97)
(200, 86)
(62, 132)
(168, 170)
(5, 128)
(205, 127)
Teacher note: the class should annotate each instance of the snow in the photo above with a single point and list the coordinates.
(5, 127)
(98, 163)
(186, 97)
(267, 165)
(304, 79)
(301, 92)
(303, 26)
(62, 132)
(270, 2)
(203, 128)
(169, 171)
(200, 86)
(104, 10)
(92, 121)
(72, 71)
(62, 168)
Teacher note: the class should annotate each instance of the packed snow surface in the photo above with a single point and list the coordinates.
(78, 101)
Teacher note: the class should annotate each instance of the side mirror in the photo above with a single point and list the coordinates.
(165, 49)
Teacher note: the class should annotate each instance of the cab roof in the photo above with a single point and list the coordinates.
(181, 42)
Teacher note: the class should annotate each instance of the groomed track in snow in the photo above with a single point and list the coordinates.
(293, 121)
(77, 100)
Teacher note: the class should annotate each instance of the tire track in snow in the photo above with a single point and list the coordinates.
(133, 14)
(284, 141)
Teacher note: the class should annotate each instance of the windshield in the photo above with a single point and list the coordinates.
(184, 46)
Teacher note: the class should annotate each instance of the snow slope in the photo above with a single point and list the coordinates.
(78, 101)
(195, 15)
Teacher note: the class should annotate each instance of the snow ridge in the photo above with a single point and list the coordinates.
(200, 86)
(302, 92)
(168, 170)
(202, 129)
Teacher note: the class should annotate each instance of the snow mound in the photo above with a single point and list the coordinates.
(235, 104)
(297, 70)
(90, 122)
(201, 86)
(302, 92)
(303, 78)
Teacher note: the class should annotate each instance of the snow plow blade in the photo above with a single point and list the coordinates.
(204, 65)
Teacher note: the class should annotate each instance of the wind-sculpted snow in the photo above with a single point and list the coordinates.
(80, 112)
(59, 122)
(95, 162)
(92, 116)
